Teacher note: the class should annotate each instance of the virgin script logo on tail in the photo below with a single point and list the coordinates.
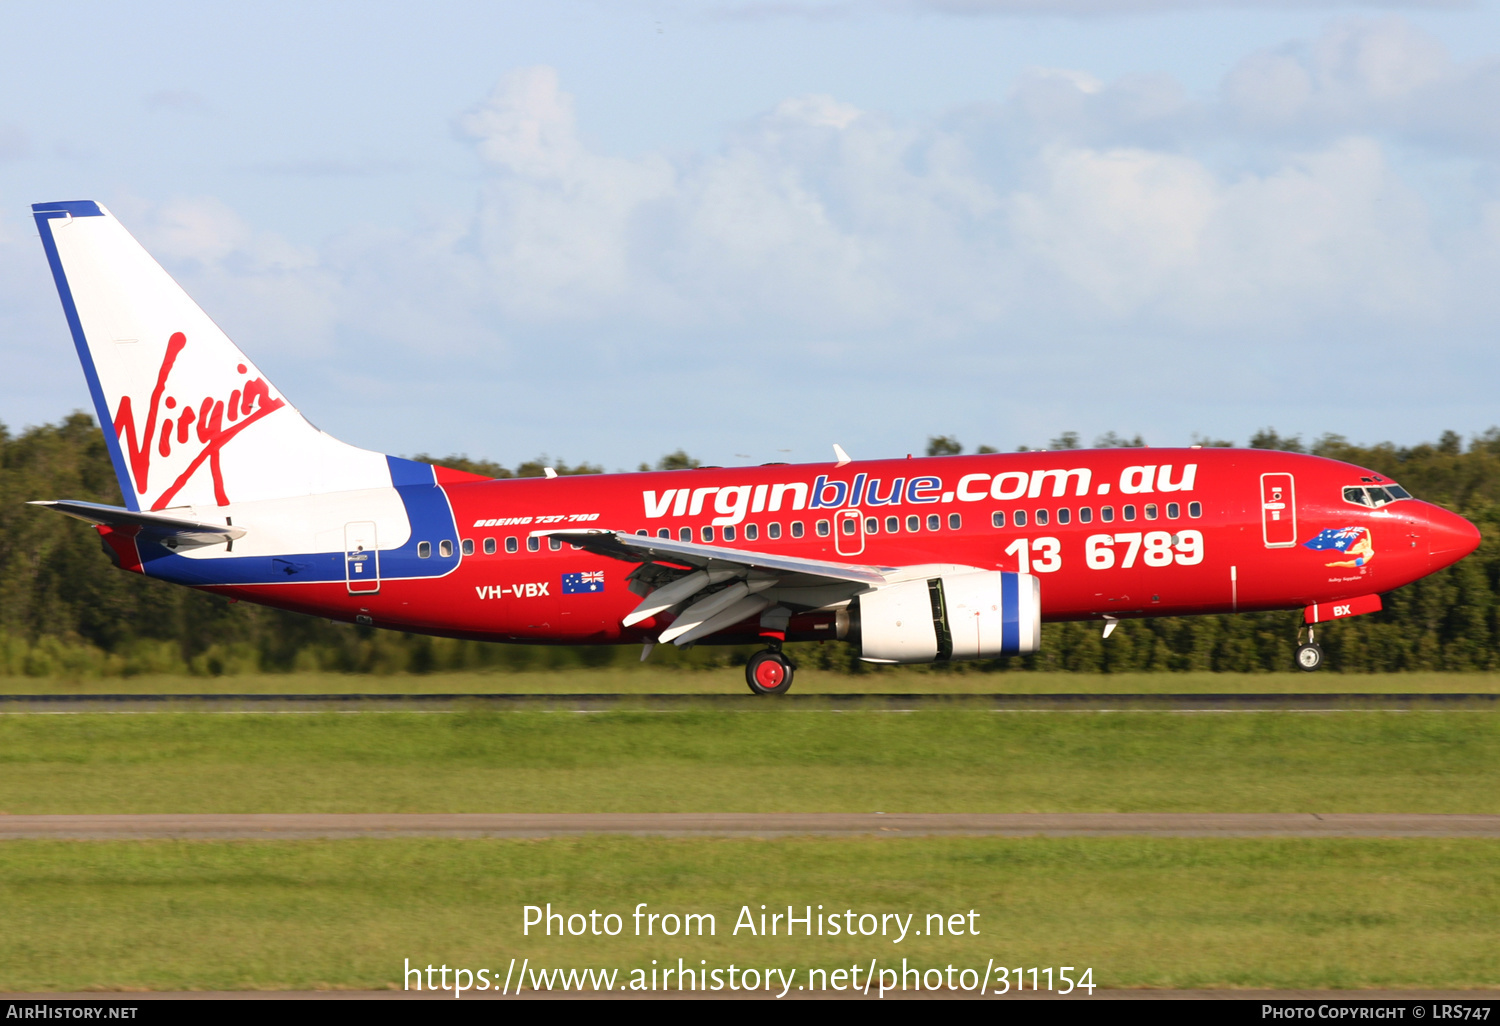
(201, 422)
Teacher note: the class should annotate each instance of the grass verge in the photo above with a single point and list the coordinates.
(768, 760)
(650, 680)
(1140, 912)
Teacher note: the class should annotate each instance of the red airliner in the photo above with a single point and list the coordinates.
(230, 490)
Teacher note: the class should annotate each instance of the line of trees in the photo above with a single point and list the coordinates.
(64, 611)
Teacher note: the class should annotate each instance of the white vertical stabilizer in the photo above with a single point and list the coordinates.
(189, 418)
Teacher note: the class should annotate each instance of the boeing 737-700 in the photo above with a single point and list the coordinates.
(228, 489)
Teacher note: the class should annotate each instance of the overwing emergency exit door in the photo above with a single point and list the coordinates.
(1278, 510)
(848, 532)
(361, 558)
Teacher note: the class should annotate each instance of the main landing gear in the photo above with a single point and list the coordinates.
(769, 672)
(1309, 656)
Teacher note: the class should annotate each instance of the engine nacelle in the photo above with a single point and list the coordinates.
(976, 615)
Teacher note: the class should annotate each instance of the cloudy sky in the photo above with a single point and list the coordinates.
(606, 230)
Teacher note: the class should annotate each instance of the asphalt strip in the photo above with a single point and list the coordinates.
(865, 702)
(306, 826)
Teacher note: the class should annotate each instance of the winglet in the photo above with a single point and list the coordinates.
(843, 457)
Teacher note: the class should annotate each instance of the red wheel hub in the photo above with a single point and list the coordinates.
(769, 673)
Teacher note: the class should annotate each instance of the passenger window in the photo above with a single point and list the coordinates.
(934, 522)
(706, 534)
(796, 529)
(1150, 511)
(664, 532)
(424, 550)
(445, 548)
(685, 534)
(1064, 515)
(729, 533)
(955, 521)
(872, 525)
(913, 523)
(1107, 514)
(533, 545)
(1041, 518)
(892, 525)
(773, 531)
(850, 525)
(997, 518)
(1195, 509)
(1128, 512)
(554, 544)
(751, 532)
(822, 529)
(643, 533)
(1086, 515)
(511, 545)
(1020, 518)
(468, 546)
(489, 546)
(1173, 511)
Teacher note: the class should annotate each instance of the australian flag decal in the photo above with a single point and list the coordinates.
(584, 583)
(1335, 538)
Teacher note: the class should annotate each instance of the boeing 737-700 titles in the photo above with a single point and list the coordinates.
(228, 489)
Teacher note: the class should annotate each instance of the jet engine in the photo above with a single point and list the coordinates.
(976, 615)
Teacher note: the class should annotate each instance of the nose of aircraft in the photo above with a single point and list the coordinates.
(1449, 538)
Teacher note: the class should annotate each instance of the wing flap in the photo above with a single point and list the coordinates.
(635, 548)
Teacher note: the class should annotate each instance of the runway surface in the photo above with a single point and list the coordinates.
(301, 826)
(241, 703)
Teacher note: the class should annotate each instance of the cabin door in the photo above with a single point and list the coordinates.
(1278, 510)
(361, 558)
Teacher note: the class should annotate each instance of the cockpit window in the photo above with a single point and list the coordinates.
(1375, 496)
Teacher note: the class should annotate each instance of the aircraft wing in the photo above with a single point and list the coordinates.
(157, 526)
(711, 588)
(637, 548)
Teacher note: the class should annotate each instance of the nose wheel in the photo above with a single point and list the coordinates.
(1310, 655)
(769, 673)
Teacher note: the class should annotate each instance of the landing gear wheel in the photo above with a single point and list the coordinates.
(1309, 657)
(769, 673)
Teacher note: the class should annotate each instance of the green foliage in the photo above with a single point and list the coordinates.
(1267, 438)
(66, 613)
(943, 445)
(678, 460)
(1110, 440)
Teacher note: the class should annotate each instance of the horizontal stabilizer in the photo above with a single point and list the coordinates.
(150, 525)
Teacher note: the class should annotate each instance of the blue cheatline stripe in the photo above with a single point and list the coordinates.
(1010, 613)
(45, 213)
(427, 511)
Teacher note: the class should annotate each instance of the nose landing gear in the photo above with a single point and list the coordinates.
(769, 672)
(1309, 656)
